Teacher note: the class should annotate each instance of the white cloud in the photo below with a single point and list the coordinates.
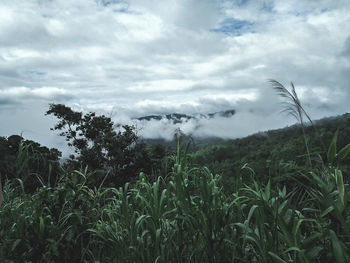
(140, 57)
(23, 95)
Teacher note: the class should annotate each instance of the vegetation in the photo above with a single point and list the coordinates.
(99, 147)
(275, 154)
(271, 205)
(292, 106)
(27, 160)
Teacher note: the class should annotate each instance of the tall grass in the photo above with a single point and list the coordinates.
(292, 105)
(1, 194)
(182, 216)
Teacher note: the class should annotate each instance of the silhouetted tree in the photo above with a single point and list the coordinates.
(98, 146)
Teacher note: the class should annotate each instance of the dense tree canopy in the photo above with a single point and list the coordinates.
(99, 146)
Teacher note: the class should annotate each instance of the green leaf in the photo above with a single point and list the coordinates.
(15, 244)
(41, 226)
(332, 150)
(310, 242)
(343, 153)
(314, 252)
(251, 212)
(337, 249)
(340, 184)
(267, 191)
(327, 211)
(277, 258)
(292, 249)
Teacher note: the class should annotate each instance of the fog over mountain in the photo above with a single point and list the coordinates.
(163, 126)
(135, 58)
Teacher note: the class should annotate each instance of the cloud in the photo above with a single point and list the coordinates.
(346, 48)
(7, 102)
(22, 95)
(132, 58)
(249, 118)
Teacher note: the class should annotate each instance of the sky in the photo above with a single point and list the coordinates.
(131, 58)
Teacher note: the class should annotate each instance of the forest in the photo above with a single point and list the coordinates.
(275, 196)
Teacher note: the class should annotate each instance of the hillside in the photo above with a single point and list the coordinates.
(266, 152)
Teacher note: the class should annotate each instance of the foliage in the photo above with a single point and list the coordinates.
(99, 147)
(32, 163)
(183, 216)
(292, 106)
(277, 153)
(267, 204)
(51, 225)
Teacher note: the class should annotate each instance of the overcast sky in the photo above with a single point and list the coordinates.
(131, 58)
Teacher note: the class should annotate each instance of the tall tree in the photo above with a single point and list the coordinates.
(97, 145)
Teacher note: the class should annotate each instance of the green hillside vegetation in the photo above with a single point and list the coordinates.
(279, 196)
(275, 153)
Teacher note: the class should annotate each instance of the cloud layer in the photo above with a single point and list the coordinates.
(133, 58)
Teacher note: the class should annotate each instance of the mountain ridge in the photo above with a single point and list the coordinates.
(181, 117)
(202, 142)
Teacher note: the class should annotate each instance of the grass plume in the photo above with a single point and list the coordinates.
(292, 106)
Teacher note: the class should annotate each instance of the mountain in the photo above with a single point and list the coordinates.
(180, 118)
(175, 117)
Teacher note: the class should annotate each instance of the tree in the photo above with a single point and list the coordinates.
(98, 146)
(157, 153)
(29, 161)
